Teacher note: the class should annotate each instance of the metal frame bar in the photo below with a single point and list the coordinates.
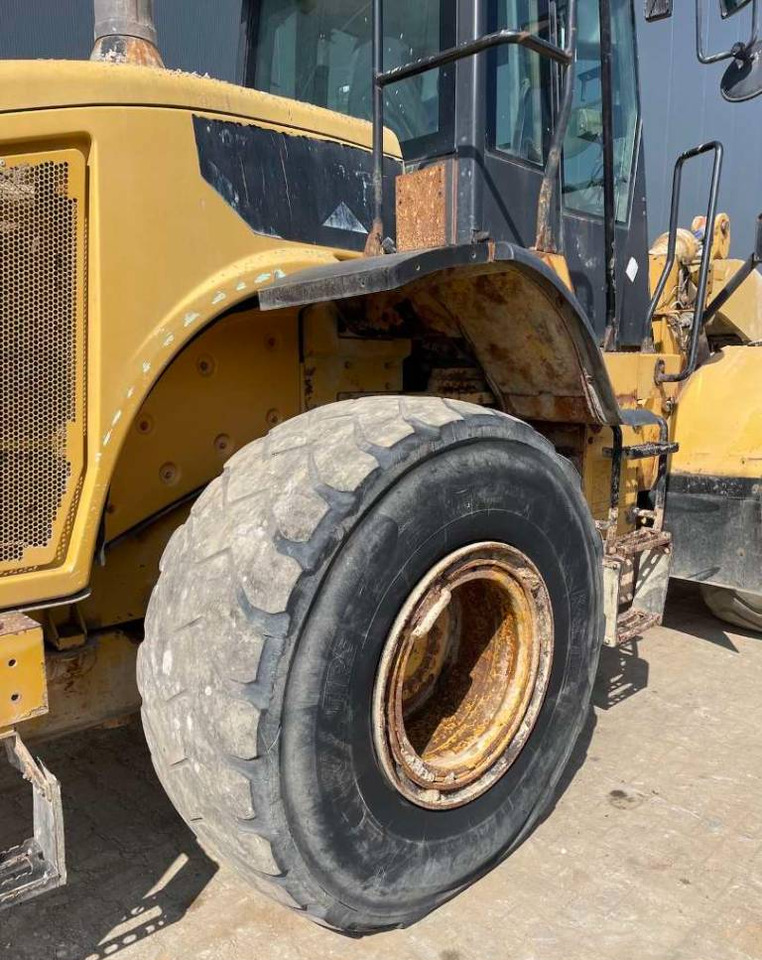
(611, 335)
(544, 240)
(748, 266)
(382, 79)
(713, 146)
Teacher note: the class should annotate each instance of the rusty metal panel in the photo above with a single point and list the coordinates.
(23, 689)
(426, 207)
(42, 330)
(338, 368)
(524, 327)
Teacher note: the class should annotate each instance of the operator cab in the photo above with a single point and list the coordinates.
(320, 51)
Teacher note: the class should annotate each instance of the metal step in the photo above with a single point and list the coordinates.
(640, 451)
(638, 541)
(39, 863)
(635, 580)
(634, 623)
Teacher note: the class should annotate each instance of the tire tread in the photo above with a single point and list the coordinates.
(218, 635)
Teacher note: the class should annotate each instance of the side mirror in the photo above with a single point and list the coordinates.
(662, 9)
(742, 80)
(730, 7)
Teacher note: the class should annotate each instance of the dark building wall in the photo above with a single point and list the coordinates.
(193, 35)
(682, 107)
(681, 101)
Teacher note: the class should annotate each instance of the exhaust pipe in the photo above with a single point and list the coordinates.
(125, 32)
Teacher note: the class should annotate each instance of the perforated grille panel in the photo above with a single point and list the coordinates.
(41, 355)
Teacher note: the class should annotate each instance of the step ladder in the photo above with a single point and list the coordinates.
(39, 863)
(636, 564)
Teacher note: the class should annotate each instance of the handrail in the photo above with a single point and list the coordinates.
(713, 146)
(471, 47)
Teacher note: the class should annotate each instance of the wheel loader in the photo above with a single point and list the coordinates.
(346, 415)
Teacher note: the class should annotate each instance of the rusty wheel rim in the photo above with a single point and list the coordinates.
(463, 675)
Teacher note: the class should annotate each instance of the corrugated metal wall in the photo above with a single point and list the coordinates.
(682, 106)
(681, 99)
(200, 35)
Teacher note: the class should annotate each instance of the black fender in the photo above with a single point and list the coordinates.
(527, 330)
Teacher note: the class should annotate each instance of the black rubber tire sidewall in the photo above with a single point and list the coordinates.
(383, 857)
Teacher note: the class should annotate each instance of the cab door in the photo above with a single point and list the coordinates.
(522, 97)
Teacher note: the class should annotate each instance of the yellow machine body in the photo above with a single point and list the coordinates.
(165, 256)
(170, 367)
(718, 420)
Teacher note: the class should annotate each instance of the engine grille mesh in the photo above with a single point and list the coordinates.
(41, 355)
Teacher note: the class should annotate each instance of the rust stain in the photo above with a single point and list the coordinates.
(124, 49)
(464, 673)
(424, 216)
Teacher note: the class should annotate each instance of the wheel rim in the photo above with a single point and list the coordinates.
(463, 675)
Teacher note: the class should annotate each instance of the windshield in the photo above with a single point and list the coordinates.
(320, 51)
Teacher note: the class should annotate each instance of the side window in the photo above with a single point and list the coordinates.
(583, 148)
(523, 111)
(522, 121)
(320, 52)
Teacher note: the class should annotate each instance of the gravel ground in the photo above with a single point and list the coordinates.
(653, 848)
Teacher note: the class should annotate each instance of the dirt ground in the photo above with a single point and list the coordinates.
(653, 848)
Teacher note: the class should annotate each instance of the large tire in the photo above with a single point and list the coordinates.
(734, 606)
(265, 629)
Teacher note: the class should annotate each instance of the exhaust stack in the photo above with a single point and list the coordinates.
(125, 32)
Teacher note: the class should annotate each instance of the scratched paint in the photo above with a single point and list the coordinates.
(295, 187)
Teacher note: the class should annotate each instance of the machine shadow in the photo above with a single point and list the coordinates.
(622, 672)
(687, 611)
(134, 868)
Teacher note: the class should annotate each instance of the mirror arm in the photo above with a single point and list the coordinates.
(702, 56)
(739, 50)
(754, 26)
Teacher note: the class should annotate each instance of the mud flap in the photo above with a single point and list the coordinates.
(38, 864)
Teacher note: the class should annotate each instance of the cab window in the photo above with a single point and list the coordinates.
(320, 51)
(583, 148)
(524, 108)
(523, 113)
